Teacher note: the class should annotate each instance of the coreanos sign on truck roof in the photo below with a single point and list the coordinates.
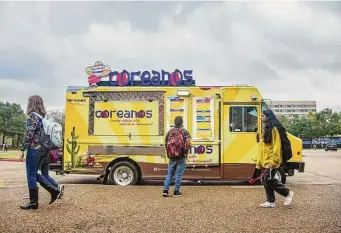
(102, 75)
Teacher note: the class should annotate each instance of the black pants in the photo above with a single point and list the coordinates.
(271, 184)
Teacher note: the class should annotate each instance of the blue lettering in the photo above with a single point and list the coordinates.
(163, 74)
(188, 78)
(111, 76)
(98, 114)
(201, 149)
(156, 78)
(209, 149)
(132, 77)
(145, 78)
(124, 114)
(119, 113)
(149, 113)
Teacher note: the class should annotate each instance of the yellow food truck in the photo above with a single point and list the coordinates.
(116, 128)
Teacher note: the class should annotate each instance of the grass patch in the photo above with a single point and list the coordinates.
(10, 155)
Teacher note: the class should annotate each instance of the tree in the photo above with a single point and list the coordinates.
(300, 126)
(315, 125)
(329, 122)
(334, 124)
(12, 120)
(285, 121)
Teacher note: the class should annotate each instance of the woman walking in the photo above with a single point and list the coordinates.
(36, 154)
(270, 159)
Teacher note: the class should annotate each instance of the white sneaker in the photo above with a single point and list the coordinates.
(61, 190)
(288, 199)
(268, 205)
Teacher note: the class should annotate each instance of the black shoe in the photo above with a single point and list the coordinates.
(55, 193)
(177, 194)
(165, 193)
(33, 200)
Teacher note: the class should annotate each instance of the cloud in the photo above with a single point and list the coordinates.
(289, 50)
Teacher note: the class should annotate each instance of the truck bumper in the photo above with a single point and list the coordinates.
(292, 166)
(301, 166)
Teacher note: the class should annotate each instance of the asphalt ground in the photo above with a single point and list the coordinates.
(89, 206)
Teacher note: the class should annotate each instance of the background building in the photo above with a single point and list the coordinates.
(293, 108)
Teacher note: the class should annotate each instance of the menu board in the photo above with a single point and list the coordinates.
(203, 118)
(176, 106)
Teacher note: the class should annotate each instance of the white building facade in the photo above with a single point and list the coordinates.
(293, 108)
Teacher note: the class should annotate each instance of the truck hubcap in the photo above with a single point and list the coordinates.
(123, 175)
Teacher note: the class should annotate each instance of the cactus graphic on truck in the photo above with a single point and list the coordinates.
(72, 147)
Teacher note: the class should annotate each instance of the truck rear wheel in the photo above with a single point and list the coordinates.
(123, 173)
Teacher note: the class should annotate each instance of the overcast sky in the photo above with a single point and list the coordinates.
(289, 50)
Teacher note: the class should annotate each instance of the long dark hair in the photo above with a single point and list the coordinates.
(270, 124)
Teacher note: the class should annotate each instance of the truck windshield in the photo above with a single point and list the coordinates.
(264, 106)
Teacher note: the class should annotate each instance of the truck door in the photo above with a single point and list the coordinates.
(240, 139)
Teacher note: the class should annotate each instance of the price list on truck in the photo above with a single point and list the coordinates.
(203, 122)
(176, 108)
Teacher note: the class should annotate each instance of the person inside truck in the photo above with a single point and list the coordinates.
(252, 120)
(270, 159)
(236, 124)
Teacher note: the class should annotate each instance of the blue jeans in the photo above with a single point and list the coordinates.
(34, 160)
(44, 168)
(175, 166)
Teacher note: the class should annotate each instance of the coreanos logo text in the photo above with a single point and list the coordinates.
(124, 114)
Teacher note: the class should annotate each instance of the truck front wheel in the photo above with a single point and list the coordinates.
(123, 173)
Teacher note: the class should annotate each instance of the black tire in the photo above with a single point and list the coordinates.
(126, 167)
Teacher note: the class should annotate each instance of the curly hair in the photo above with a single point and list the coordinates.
(36, 104)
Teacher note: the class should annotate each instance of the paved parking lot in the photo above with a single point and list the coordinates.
(89, 206)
